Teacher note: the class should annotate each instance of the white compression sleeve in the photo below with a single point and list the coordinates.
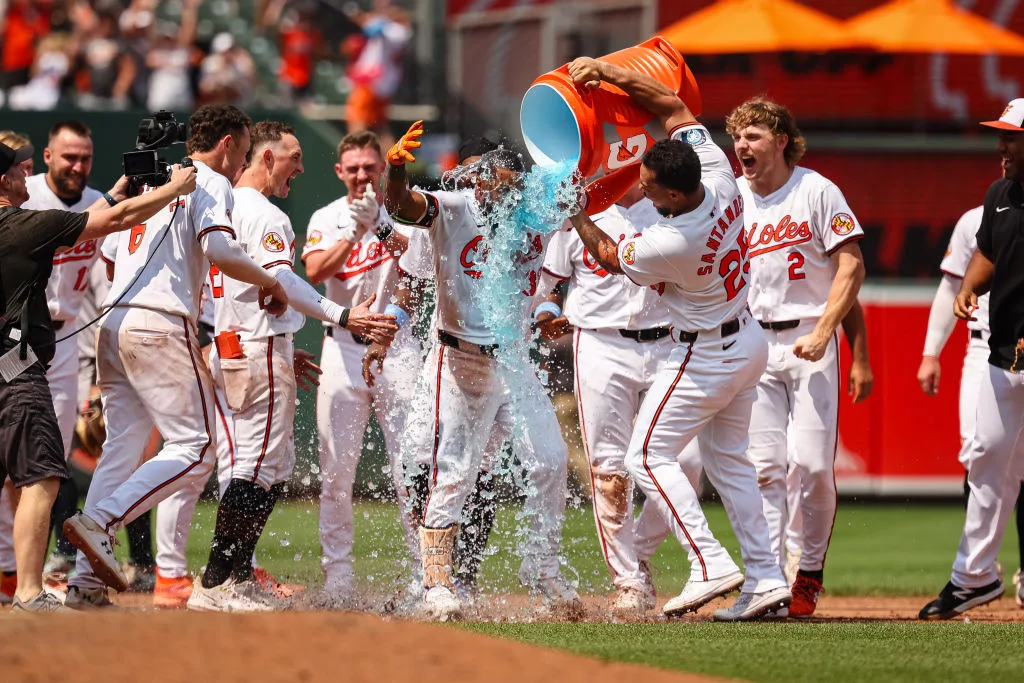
(941, 320)
(231, 259)
(306, 300)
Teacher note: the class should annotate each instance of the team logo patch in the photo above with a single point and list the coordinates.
(629, 254)
(842, 224)
(314, 238)
(695, 136)
(273, 242)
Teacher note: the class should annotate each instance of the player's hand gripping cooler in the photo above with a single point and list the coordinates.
(596, 125)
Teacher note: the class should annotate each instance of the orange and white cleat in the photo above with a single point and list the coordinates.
(269, 583)
(805, 596)
(171, 592)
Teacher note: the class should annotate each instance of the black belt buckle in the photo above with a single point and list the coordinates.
(976, 334)
(652, 334)
(780, 325)
(729, 328)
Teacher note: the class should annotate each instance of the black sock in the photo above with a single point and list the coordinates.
(242, 569)
(477, 522)
(239, 508)
(1020, 525)
(817, 575)
(64, 507)
(140, 540)
(419, 489)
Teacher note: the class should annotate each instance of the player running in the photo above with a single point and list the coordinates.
(805, 272)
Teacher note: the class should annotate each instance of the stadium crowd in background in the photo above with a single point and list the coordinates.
(119, 54)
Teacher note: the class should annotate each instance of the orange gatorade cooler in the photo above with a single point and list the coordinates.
(601, 128)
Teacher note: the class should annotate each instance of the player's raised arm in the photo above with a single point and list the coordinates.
(647, 92)
(401, 202)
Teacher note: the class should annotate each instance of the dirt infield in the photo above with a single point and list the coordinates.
(140, 644)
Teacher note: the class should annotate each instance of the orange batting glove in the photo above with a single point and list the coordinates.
(399, 152)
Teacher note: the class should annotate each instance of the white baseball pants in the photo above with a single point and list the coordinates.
(63, 378)
(974, 372)
(472, 394)
(797, 400)
(343, 406)
(705, 391)
(151, 373)
(997, 468)
(612, 375)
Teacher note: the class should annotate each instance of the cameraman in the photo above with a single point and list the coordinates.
(31, 447)
(151, 371)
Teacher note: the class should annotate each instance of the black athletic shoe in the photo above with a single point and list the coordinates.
(954, 600)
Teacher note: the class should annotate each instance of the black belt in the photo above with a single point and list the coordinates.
(58, 325)
(779, 325)
(728, 328)
(355, 337)
(976, 334)
(456, 343)
(652, 334)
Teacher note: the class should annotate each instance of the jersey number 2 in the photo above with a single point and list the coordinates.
(135, 237)
(796, 262)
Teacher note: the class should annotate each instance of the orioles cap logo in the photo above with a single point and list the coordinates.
(273, 242)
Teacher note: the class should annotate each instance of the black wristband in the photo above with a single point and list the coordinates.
(343, 320)
(110, 199)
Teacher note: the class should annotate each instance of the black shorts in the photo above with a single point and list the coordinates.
(31, 448)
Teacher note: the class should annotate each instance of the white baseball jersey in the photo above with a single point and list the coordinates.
(266, 234)
(418, 259)
(370, 269)
(962, 244)
(456, 231)
(598, 299)
(697, 260)
(70, 276)
(791, 235)
(174, 277)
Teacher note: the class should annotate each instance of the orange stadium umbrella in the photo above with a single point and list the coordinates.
(932, 26)
(735, 26)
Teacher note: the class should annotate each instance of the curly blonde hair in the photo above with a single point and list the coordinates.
(14, 140)
(760, 111)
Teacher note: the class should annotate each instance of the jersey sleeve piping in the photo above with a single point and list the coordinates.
(215, 228)
(840, 245)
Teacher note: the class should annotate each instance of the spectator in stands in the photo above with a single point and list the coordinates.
(301, 44)
(107, 69)
(136, 23)
(24, 24)
(228, 74)
(51, 66)
(377, 69)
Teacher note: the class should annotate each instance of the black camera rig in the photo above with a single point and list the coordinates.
(143, 166)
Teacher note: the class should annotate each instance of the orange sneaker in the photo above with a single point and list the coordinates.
(171, 592)
(282, 590)
(805, 596)
(8, 585)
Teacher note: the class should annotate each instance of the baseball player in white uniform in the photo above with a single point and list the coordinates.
(150, 368)
(805, 272)
(258, 376)
(68, 157)
(621, 341)
(471, 391)
(996, 460)
(343, 251)
(696, 256)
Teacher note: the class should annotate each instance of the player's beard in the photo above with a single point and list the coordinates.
(69, 187)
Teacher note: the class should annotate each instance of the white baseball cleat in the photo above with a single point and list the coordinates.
(98, 546)
(629, 603)
(85, 599)
(1018, 582)
(229, 596)
(753, 605)
(699, 593)
(560, 599)
(441, 603)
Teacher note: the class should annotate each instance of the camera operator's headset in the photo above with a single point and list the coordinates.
(186, 162)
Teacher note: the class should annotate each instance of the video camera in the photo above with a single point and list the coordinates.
(143, 166)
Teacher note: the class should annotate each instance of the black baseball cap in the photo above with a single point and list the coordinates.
(476, 147)
(9, 157)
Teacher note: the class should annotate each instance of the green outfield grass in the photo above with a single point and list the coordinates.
(889, 549)
(795, 653)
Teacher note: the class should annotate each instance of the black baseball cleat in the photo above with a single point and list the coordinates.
(954, 600)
